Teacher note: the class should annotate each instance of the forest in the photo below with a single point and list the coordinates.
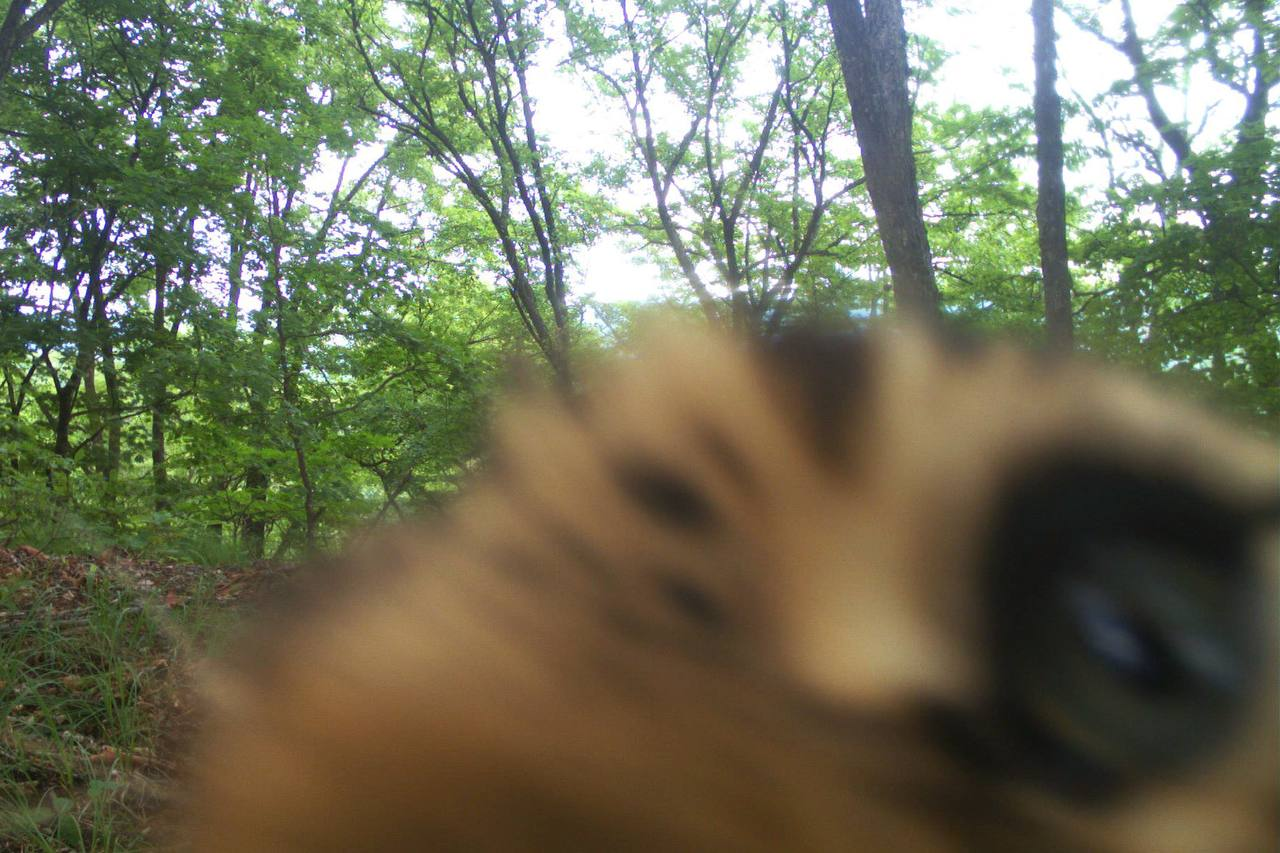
(263, 262)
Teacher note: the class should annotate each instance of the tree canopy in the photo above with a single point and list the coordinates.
(263, 263)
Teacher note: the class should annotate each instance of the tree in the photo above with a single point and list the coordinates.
(76, 236)
(1051, 202)
(1194, 233)
(871, 40)
(460, 88)
(163, 232)
(17, 28)
(742, 183)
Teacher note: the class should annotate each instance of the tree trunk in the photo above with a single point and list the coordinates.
(257, 481)
(111, 379)
(96, 425)
(1051, 203)
(256, 484)
(235, 275)
(872, 43)
(289, 390)
(66, 398)
(290, 367)
(111, 418)
(159, 405)
(65, 394)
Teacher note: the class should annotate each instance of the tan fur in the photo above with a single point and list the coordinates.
(489, 687)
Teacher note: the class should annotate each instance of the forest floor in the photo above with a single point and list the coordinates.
(96, 663)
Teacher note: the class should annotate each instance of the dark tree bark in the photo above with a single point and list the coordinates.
(65, 397)
(254, 529)
(1051, 203)
(871, 40)
(16, 29)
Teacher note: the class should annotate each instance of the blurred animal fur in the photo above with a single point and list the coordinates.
(766, 597)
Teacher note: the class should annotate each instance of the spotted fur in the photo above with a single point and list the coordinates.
(779, 596)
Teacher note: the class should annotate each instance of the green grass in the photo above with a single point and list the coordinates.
(94, 668)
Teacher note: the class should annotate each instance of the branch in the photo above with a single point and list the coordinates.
(1173, 135)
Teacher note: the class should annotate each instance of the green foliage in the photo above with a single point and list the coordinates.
(261, 261)
(208, 352)
(1184, 259)
(982, 215)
